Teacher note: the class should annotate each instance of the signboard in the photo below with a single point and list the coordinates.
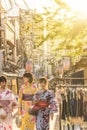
(1, 61)
(28, 66)
(66, 63)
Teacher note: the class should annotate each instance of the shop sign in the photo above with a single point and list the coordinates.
(66, 63)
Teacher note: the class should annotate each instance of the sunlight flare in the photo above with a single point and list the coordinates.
(78, 5)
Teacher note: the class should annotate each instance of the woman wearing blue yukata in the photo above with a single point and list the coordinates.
(45, 99)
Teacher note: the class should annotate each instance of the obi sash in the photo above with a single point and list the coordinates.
(27, 97)
(43, 104)
(4, 103)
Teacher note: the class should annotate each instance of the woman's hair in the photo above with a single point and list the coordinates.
(29, 76)
(43, 79)
(3, 79)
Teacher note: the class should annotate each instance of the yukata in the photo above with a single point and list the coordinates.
(6, 99)
(24, 103)
(42, 119)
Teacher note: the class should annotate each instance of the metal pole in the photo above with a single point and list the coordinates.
(45, 45)
(69, 85)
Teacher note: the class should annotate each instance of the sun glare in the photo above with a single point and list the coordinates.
(78, 5)
(39, 4)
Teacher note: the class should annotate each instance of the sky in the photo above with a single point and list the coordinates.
(25, 4)
(38, 4)
(78, 5)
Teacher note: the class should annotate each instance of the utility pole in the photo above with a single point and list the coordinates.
(45, 45)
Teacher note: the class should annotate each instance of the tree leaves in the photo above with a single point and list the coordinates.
(65, 30)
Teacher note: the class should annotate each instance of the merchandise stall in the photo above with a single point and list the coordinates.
(73, 108)
(73, 89)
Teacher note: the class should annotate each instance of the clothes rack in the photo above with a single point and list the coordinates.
(68, 86)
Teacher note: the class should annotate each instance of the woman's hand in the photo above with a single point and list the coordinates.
(35, 102)
(14, 104)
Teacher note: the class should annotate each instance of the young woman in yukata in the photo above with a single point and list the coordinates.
(25, 98)
(7, 103)
(45, 99)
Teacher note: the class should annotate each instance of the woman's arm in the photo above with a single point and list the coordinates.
(36, 98)
(35, 102)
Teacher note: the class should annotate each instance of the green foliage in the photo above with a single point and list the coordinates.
(62, 25)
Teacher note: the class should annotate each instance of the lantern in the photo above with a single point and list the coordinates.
(28, 66)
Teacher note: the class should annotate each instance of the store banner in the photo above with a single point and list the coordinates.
(28, 66)
(66, 63)
(1, 61)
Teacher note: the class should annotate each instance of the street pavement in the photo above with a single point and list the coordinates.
(14, 126)
(53, 124)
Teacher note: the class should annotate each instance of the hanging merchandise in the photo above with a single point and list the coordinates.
(73, 107)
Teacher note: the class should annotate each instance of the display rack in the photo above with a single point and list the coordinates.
(62, 124)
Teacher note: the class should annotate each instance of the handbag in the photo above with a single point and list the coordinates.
(18, 121)
(3, 114)
(33, 110)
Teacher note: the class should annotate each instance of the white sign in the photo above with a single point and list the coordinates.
(66, 63)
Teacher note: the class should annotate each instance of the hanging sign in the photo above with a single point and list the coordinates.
(28, 66)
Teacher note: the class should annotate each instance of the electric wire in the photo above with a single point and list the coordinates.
(26, 4)
(10, 3)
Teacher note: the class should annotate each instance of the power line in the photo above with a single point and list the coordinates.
(16, 3)
(26, 4)
(6, 5)
(10, 3)
(13, 4)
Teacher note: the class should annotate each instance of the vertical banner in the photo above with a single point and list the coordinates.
(66, 63)
(28, 66)
(1, 61)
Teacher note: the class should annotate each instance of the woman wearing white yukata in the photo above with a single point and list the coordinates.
(7, 103)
